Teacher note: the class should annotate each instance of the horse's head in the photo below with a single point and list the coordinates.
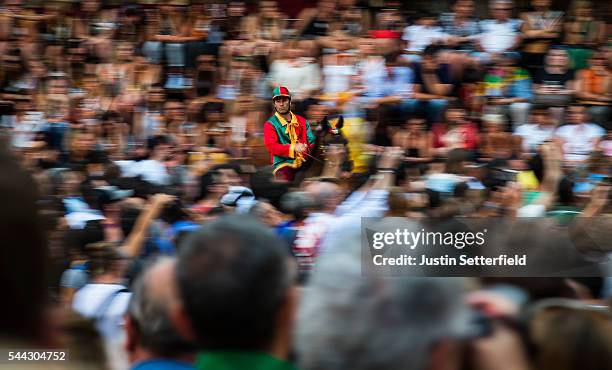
(330, 132)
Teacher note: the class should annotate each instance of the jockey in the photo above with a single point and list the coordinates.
(287, 136)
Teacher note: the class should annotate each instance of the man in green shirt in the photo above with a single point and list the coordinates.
(236, 282)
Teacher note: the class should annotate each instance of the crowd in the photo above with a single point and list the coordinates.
(143, 225)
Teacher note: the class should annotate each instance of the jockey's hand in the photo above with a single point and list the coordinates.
(300, 148)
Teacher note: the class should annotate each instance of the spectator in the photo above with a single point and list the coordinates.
(593, 88)
(398, 85)
(83, 151)
(579, 138)
(371, 69)
(582, 32)
(154, 168)
(550, 321)
(500, 34)
(415, 140)
(105, 298)
(339, 74)
(343, 300)
(266, 213)
(296, 70)
(539, 130)
(540, 28)
(423, 33)
(433, 86)
(369, 199)
(213, 184)
(152, 341)
(495, 141)
(553, 84)
(235, 276)
(460, 26)
(316, 22)
(23, 315)
(109, 203)
(456, 133)
(508, 89)
(269, 23)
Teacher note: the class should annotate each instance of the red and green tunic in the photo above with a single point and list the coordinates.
(281, 137)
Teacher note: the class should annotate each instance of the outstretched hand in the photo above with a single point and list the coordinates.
(391, 157)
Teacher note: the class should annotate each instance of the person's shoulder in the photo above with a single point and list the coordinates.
(524, 128)
(74, 277)
(515, 23)
(485, 22)
(595, 128)
(163, 364)
(563, 130)
(272, 120)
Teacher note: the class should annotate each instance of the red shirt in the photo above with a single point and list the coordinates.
(464, 136)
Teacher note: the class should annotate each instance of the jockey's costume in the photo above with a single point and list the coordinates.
(281, 136)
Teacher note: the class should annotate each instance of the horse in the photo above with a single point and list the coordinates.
(326, 133)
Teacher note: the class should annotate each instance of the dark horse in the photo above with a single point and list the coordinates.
(326, 133)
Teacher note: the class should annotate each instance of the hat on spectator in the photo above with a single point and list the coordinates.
(240, 197)
(281, 91)
(110, 194)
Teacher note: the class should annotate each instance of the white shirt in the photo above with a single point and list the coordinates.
(419, 37)
(128, 168)
(579, 140)
(25, 131)
(349, 214)
(498, 37)
(153, 171)
(299, 77)
(337, 78)
(373, 74)
(89, 299)
(533, 135)
(325, 229)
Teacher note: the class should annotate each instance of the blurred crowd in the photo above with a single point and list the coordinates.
(142, 225)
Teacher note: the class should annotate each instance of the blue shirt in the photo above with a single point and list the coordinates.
(163, 364)
(398, 82)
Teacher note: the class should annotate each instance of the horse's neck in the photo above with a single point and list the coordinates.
(317, 151)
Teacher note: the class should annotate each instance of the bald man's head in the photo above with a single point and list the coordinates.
(160, 282)
(155, 295)
(326, 195)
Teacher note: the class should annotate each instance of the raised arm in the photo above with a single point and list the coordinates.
(134, 241)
